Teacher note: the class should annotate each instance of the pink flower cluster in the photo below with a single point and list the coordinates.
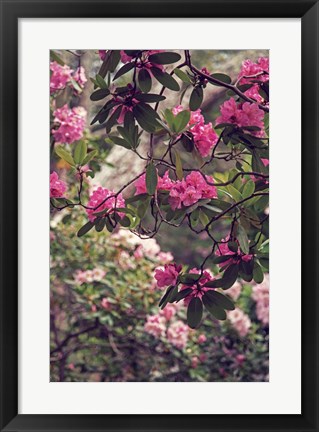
(198, 289)
(57, 186)
(223, 249)
(240, 321)
(143, 62)
(242, 114)
(61, 76)
(87, 276)
(261, 297)
(177, 334)
(165, 326)
(254, 71)
(184, 192)
(168, 275)
(203, 134)
(71, 123)
(193, 188)
(98, 196)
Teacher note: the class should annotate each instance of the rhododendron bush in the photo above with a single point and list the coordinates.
(161, 274)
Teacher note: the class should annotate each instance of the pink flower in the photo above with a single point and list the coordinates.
(177, 334)
(138, 253)
(203, 134)
(261, 297)
(109, 202)
(242, 114)
(102, 54)
(106, 304)
(247, 74)
(201, 338)
(165, 257)
(155, 325)
(57, 186)
(163, 183)
(143, 60)
(235, 257)
(79, 76)
(169, 311)
(60, 76)
(70, 123)
(190, 190)
(168, 275)
(198, 289)
(240, 321)
(195, 362)
(98, 274)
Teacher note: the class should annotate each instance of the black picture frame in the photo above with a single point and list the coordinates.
(11, 11)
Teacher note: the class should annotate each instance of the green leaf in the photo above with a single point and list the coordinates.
(119, 141)
(178, 165)
(101, 82)
(65, 155)
(89, 157)
(125, 222)
(80, 152)
(189, 278)
(258, 273)
(123, 70)
(164, 58)
(99, 224)
(146, 117)
(99, 94)
(113, 119)
(165, 79)
(149, 97)
(233, 246)
(182, 294)
(164, 300)
(181, 120)
(221, 77)
(144, 80)
(196, 98)
(151, 178)
(56, 58)
(188, 143)
(85, 229)
(182, 75)
(248, 189)
(213, 309)
(237, 196)
(220, 300)
(243, 239)
(194, 312)
(230, 276)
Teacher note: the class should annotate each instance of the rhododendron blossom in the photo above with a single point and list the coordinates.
(251, 71)
(71, 123)
(86, 276)
(198, 289)
(57, 186)
(167, 275)
(155, 325)
(103, 199)
(240, 321)
(242, 114)
(62, 76)
(203, 134)
(190, 190)
(261, 296)
(177, 334)
(234, 257)
(143, 61)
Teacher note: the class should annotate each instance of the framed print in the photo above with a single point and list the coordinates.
(158, 218)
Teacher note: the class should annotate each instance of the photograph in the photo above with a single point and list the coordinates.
(159, 215)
